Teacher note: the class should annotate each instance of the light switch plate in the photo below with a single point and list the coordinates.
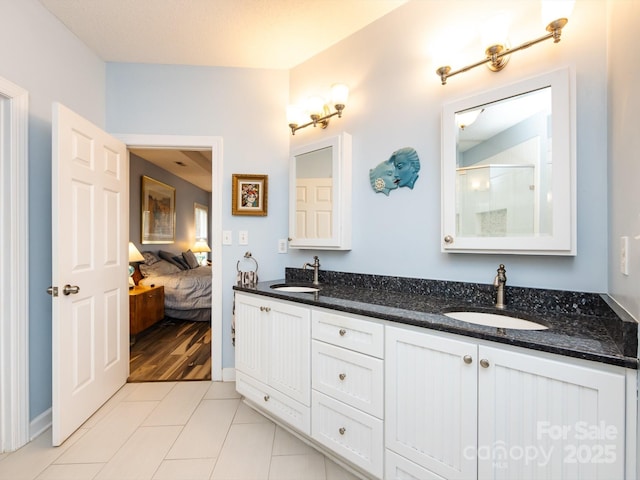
(243, 237)
(227, 238)
(282, 245)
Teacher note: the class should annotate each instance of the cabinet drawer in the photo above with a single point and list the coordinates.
(399, 468)
(350, 377)
(350, 433)
(274, 402)
(362, 336)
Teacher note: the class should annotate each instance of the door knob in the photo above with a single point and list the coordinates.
(69, 289)
(53, 291)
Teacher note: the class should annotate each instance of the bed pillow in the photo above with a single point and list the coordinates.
(161, 267)
(150, 258)
(191, 259)
(171, 258)
(181, 261)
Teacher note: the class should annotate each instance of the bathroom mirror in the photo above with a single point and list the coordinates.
(508, 169)
(320, 195)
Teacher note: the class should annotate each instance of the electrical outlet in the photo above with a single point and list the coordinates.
(282, 245)
(243, 237)
(227, 238)
(624, 255)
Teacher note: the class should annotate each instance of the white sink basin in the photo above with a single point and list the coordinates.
(498, 321)
(295, 288)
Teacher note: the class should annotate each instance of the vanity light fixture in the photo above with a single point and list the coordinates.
(497, 55)
(318, 110)
(466, 119)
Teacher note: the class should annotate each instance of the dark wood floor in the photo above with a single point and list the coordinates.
(171, 350)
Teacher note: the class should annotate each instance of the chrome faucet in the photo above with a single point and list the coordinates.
(316, 269)
(499, 282)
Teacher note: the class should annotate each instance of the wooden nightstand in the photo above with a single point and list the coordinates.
(146, 307)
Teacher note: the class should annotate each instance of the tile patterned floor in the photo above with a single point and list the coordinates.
(173, 431)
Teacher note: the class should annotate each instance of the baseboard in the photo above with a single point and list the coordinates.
(228, 374)
(39, 424)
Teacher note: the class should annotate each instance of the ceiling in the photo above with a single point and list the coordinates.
(193, 166)
(272, 34)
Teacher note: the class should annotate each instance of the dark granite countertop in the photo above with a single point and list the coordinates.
(580, 325)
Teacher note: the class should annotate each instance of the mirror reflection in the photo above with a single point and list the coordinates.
(314, 194)
(504, 167)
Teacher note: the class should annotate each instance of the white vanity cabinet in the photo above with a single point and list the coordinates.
(273, 358)
(461, 409)
(347, 381)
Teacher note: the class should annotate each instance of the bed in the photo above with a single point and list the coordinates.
(187, 285)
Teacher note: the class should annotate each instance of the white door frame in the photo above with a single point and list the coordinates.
(215, 144)
(14, 274)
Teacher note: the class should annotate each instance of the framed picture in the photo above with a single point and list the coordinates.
(158, 212)
(249, 194)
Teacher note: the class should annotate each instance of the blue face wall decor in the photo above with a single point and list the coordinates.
(382, 177)
(401, 170)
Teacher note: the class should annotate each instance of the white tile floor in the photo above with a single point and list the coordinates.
(173, 431)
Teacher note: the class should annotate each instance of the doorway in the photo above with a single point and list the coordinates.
(14, 271)
(214, 144)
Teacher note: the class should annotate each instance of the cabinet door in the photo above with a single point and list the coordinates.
(542, 418)
(289, 350)
(251, 331)
(431, 401)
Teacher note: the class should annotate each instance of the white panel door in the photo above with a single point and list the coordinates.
(90, 227)
(541, 418)
(290, 350)
(251, 331)
(314, 207)
(431, 401)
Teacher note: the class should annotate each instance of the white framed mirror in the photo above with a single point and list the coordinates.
(508, 169)
(320, 195)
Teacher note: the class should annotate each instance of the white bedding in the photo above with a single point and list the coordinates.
(184, 290)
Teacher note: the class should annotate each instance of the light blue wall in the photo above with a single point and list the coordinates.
(396, 101)
(186, 195)
(43, 57)
(247, 108)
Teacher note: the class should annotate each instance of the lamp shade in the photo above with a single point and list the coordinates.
(339, 94)
(134, 254)
(200, 247)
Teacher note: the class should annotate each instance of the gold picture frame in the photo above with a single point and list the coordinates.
(157, 212)
(249, 194)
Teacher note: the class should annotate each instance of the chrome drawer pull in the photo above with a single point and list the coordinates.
(266, 398)
(342, 430)
(484, 363)
(467, 359)
(342, 332)
(342, 376)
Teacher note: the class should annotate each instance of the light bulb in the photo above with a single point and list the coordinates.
(339, 94)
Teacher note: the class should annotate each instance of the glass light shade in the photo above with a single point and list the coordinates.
(200, 247)
(555, 9)
(134, 254)
(465, 119)
(295, 115)
(315, 105)
(339, 94)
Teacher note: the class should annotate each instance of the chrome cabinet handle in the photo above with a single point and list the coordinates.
(68, 289)
(53, 291)
(342, 376)
(265, 309)
(484, 363)
(342, 332)
(266, 398)
(448, 239)
(468, 359)
(342, 430)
